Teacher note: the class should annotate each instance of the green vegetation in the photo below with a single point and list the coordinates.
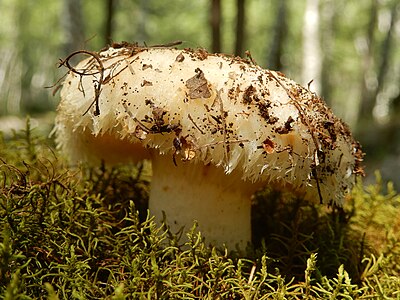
(357, 52)
(85, 234)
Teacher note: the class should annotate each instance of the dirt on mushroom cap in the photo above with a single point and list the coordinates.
(211, 108)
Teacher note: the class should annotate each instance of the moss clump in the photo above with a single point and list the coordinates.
(87, 235)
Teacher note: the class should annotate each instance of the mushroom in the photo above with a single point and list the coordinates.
(215, 127)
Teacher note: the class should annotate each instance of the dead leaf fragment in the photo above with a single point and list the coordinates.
(268, 146)
(147, 66)
(146, 83)
(188, 149)
(140, 133)
(180, 58)
(198, 86)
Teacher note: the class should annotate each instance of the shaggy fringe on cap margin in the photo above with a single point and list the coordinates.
(213, 108)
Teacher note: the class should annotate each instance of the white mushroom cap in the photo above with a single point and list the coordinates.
(198, 110)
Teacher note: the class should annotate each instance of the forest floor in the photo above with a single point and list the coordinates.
(85, 233)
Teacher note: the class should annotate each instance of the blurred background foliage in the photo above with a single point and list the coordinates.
(349, 49)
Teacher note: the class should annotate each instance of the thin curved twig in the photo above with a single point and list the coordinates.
(316, 142)
(97, 87)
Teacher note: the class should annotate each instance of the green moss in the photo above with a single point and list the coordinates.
(86, 234)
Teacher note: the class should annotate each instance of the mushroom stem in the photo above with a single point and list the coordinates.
(189, 192)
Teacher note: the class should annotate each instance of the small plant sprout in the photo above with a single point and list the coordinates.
(217, 128)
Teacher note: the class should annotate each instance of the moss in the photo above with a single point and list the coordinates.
(86, 234)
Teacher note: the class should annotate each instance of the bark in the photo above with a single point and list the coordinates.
(216, 25)
(278, 38)
(240, 28)
(368, 84)
(108, 32)
(387, 49)
(11, 66)
(142, 34)
(312, 61)
(395, 106)
(329, 20)
(73, 26)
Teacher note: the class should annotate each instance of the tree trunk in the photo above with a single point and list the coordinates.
(216, 25)
(142, 34)
(311, 70)
(73, 26)
(368, 84)
(328, 37)
(11, 65)
(279, 32)
(387, 49)
(374, 81)
(240, 28)
(108, 32)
